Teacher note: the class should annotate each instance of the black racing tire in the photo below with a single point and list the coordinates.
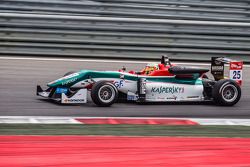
(104, 93)
(226, 92)
(68, 73)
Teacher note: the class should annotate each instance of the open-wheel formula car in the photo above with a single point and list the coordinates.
(161, 82)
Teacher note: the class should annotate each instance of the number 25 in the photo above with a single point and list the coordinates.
(236, 74)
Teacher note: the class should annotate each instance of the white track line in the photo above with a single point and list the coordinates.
(73, 120)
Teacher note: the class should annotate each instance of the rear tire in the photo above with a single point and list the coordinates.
(226, 92)
(104, 93)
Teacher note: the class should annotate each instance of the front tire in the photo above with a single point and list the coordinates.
(104, 93)
(226, 92)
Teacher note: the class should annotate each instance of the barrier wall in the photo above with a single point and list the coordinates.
(185, 30)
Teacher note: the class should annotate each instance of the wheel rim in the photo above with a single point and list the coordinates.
(106, 93)
(229, 93)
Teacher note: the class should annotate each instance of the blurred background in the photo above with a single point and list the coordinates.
(139, 29)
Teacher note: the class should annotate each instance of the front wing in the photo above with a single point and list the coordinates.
(76, 97)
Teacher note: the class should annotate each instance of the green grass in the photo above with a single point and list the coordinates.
(124, 130)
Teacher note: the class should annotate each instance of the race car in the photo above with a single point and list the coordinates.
(163, 82)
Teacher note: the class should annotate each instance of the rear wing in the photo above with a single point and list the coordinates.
(235, 69)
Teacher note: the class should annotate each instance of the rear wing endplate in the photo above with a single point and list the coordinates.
(235, 69)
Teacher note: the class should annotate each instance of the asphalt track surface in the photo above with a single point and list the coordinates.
(18, 80)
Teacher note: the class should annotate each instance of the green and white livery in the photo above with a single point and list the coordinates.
(106, 87)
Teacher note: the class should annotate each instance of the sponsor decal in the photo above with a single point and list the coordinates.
(74, 100)
(167, 89)
(132, 96)
(217, 68)
(236, 65)
(122, 76)
(71, 76)
(172, 98)
(61, 90)
(119, 83)
(192, 97)
(69, 81)
(217, 62)
(235, 71)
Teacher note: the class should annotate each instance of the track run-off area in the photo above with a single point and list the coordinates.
(19, 77)
(66, 151)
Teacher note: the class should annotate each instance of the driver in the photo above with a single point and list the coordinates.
(150, 68)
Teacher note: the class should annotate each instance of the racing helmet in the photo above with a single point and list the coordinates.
(150, 68)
